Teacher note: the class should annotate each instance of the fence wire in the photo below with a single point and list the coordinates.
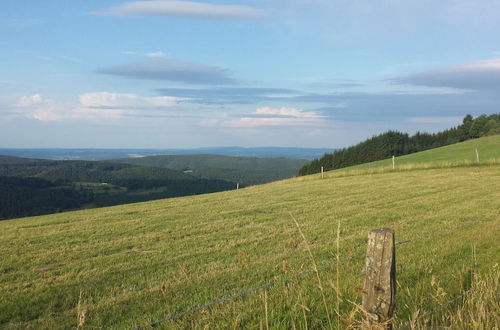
(285, 279)
(443, 231)
(244, 293)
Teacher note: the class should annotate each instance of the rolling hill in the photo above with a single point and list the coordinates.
(459, 154)
(37, 186)
(243, 170)
(129, 265)
(393, 143)
(488, 149)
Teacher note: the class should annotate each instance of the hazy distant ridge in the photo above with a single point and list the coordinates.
(105, 154)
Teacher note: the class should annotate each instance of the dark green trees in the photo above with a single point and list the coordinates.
(396, 143)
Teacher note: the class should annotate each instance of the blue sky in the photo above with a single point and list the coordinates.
(181, 74)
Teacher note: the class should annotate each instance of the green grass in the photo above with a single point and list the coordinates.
(131, 264)
(464, 152)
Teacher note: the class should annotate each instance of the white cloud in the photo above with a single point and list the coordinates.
(92, 106)
(266, 116)
(37, 107)
(182, 9)
(290, 112)
(155, 54)
(107, 100)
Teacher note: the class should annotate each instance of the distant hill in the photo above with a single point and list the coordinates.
(243, 170)
(37, 186)
(106, 154)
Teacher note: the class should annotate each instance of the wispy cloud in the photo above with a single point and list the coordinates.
(118, 101)
(156, 54)
(286, 112)
(230, 95)
(182, 9)
(266, 116)
(172, 70)
(479, 75)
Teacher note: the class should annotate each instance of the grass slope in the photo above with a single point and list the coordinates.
(127, 265)
(243, 170)
(464, 152)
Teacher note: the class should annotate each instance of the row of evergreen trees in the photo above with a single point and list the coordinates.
(396, 143)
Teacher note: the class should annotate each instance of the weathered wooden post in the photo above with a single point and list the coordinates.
(322, 172)
(379, 290)
(393, 162)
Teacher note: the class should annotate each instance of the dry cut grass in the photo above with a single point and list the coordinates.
(477, 308)
(128, 265)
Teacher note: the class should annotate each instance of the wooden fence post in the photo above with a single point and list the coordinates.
(379, 290)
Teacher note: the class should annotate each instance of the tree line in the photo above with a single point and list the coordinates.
(394, 143)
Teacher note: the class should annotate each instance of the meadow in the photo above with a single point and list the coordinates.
(488, 149)
(124, 266)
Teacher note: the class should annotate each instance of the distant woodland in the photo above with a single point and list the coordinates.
(243, 170)
(396, 143)
(37, 186)
(33, 186)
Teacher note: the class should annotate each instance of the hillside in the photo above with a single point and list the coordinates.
(464, 152)
(37, 186)
(243, 170)
(394, 143)
(128, 265)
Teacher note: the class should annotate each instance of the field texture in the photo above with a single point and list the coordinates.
(126, 266)
(488, 149)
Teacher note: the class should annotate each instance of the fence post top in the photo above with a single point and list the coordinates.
(382, 230)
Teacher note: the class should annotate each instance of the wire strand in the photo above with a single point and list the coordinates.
(272, 283)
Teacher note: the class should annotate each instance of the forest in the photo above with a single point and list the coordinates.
(393, 143)
(242, 170)
(36, 186)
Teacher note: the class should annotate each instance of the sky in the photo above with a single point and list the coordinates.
(294, 73)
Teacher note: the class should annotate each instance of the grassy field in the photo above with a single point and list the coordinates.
(460, 153)
(125, 266)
